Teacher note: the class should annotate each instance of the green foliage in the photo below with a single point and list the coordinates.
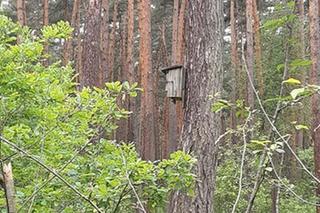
(42, 112)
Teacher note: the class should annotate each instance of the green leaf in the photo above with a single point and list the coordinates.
(296, 92)
(220, 105)
(292, 81)
(301, 127)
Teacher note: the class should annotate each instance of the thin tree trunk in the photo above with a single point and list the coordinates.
(249, 51)
(234, 64)
(257, 48)
(78, 53)
(122, 131)
(9, 188)
(201, 126)
(300, 116)
(67, 54)
(21, 12)
(147, 137)
(179, 58)
(104, 40)
(314, 45)
(112, 40)
(45, 23)
(130, 66)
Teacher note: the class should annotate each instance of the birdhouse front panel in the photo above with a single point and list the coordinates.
(174, 83)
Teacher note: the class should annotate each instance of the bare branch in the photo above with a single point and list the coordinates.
(2, 139)
(244, 134)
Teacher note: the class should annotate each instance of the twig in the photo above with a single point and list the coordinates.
(221, 137)
(274, 128)
(130, 183)
(242, 162)
(60, 170)
(51, 171)
(287, 187)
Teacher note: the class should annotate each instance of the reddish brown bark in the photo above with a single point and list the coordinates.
(249, 51)
(90, 75)
(179, 58)
(21, 12)
(147, 135)
(315, 57)
(257, 49)
(104, 40)
(130, 66)
(112, 40)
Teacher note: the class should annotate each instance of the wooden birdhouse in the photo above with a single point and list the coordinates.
(174, 81)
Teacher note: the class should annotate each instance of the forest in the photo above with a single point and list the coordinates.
(160, 106)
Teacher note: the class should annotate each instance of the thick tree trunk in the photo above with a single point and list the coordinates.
(147, 137)
(204, 78)
(90, 75)
(315, 57)
(21, 12)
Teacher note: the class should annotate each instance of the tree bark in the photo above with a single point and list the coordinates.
(234, 64)
(257, 49)
(112, 40)
(204, 64)
(104, 40)
(147, 137)
(130, 66)
(45, 23)
(21, 12)
(67, 55)
(9, 188)
(315, 57)
(90, 75)
(249, 51)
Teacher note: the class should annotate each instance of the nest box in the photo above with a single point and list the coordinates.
(174, 81)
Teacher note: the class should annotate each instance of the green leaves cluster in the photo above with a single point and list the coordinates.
(42, 112)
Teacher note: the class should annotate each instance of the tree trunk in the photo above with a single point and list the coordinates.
(112, 40)
(314, 46)
(90, 75)
(234, 64)
(147, 137)
(21, 12)
(257, 49)
(104, 40)
(67, 55)
(249, 51)
(204, 78)
(179, 58)
(9, 188)
(130, 66)
(45, 23)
